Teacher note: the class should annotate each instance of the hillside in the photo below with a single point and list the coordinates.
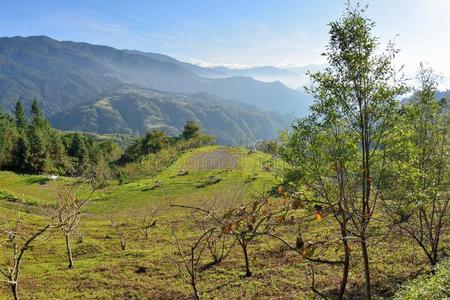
(150, 268)
(63, 74)
(134, 110)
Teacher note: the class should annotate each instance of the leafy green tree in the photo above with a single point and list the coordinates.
(191, 130)
(356, 94)
(417, 197)
(154, 141)
(324, 158)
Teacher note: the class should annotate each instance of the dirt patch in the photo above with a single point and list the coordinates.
(214, 160)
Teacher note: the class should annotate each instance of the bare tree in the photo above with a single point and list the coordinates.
(19, 237)
(69, 206)
(191, 259)
(148, 222)
(120, 228)
(246, 222)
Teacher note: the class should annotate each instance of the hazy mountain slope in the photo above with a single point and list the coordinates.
(131, 109)
(65, 74)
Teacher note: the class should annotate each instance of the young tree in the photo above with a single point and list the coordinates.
(245, 221)
(416, 195)
(69, 209)
(120, 227)
(148, 222)
(191, 259)
(19, 237)
(359, 88)
(323, 158)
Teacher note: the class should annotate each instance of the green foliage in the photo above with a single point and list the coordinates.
(428, 286)
(191, 130)
(154, 141)
(21, 120)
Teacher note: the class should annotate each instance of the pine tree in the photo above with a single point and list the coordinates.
(21, 120)
(22, 153)
(38, 158)
(38, 137)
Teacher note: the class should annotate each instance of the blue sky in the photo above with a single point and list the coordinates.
(235, 33)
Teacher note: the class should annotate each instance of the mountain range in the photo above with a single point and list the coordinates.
(102, 89)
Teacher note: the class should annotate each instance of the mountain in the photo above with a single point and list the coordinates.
(294, 77)
(63, 74)
(132, 109)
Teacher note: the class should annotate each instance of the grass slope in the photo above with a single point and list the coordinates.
(148, 269)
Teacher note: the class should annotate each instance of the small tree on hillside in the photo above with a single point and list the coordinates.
(245, 221)
(154, 142)
(417, 196)
(18, 238)
(191, 259)
(191, 130)
(69, 206)
(148, 221)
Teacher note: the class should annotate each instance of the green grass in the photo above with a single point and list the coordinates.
(103, 271)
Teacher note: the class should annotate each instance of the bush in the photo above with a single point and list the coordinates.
(428, 286)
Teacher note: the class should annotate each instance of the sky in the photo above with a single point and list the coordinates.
(233, 33)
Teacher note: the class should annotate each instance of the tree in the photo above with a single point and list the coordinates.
(8, 140)
(323, 159)
(22, 154)
(246, 222)
(69, 206)
(191, 130)
(417, 197)
(191, 259)
(78, 150)
(148, 221)
(19, 237)
(120, 227)
(38, 158)
(359, 90)
(21, 120)
(38, 119)
(154, 142)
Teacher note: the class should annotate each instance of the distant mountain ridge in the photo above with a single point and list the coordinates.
(67, 74)
(135, 110)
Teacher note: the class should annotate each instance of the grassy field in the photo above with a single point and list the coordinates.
(149, 269)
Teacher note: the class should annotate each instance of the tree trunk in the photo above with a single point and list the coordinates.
(345, 269)
(367, 291)
(69, 251)
(194, 288)
(248, 273)
(122, 244)
(14, 291)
